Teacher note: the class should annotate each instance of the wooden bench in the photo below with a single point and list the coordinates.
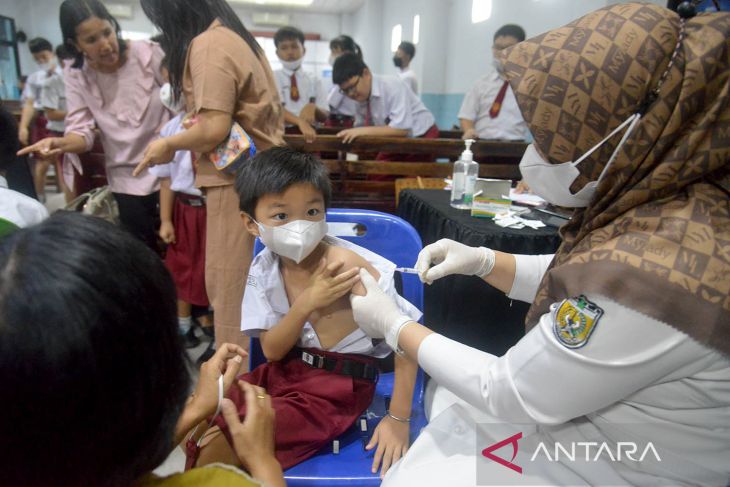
(353, 188)
(443, 134)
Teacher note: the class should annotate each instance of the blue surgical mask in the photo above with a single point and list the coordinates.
(552, 181)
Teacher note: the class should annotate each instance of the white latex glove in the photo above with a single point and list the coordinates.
(376, 313)
(451, 257)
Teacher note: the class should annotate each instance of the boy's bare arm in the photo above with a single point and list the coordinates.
(403, 384)
(277, 341)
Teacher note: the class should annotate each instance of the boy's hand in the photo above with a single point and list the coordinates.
(167, 232)
(348, 136)
(391, 438)
(309, 113)
(325, 287)
(310, 135)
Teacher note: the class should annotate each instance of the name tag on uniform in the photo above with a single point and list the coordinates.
(575, 319)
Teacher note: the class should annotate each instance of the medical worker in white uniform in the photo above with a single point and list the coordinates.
(625, 364)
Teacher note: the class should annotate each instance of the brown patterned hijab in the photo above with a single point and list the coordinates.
(656, 236)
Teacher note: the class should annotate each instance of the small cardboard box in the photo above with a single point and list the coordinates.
(492, 197)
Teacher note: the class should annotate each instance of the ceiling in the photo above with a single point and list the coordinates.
(317, 6)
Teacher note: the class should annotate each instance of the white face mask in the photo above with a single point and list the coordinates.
(295, 240)
(552, 181)
(292, 65)
(167, 99)
(332, 60)
(48, 66)
(497, 65)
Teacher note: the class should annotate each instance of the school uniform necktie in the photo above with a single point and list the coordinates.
(368, 116)
(497, 104)
(294, 91)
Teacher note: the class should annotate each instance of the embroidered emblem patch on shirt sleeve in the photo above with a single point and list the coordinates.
(251, 281)
(574, 321)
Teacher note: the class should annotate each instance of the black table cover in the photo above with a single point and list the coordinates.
(464, 308)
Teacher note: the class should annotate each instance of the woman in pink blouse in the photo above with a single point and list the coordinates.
(112, 86)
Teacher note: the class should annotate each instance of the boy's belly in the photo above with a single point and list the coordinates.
(333, 323)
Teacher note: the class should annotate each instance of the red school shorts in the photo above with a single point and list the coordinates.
(313, 406)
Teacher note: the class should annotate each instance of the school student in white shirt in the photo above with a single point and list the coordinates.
(387, 106)
(298, 90)
(489, 109)
(342, 109)
(16, 209)
(402, 59)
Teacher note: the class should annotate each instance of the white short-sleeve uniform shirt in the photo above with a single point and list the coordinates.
(394, 104)
(308, 86)
(265, 301)
(508, 125)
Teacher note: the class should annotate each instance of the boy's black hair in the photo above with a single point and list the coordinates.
(272, 171)
(9, 144)
(409, 48)
(288, 33)
(39, 44)
(513, 30)
(346, 43)
(63, 53)
(346, 66)
(90, 354)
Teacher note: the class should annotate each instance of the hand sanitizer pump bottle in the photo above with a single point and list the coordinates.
(466, 172)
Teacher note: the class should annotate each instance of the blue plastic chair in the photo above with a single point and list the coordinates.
(396, 240)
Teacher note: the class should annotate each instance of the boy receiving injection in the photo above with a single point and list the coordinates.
(321, 372)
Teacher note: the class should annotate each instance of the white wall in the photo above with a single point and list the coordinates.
(40, 18)
(470, 44)
(431, 50)
(367, 28)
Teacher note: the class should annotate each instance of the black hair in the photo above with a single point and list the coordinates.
(180, 21)
(274, 170)
(288, 33)
(75, 12)
(63, 53)
(9, 144)
(345, 44)
(512, 30)
(409, 48)
(93, 368)
(346, 66)
(39, 44)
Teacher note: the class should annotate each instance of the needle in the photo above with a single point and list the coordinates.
(406, 270)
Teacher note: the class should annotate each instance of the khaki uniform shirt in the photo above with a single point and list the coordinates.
(223, 73)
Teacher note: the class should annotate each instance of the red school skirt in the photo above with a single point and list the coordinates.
(313, 406)
(185, 259)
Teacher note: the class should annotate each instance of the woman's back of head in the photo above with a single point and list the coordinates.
(92, 366)
(180, 21)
